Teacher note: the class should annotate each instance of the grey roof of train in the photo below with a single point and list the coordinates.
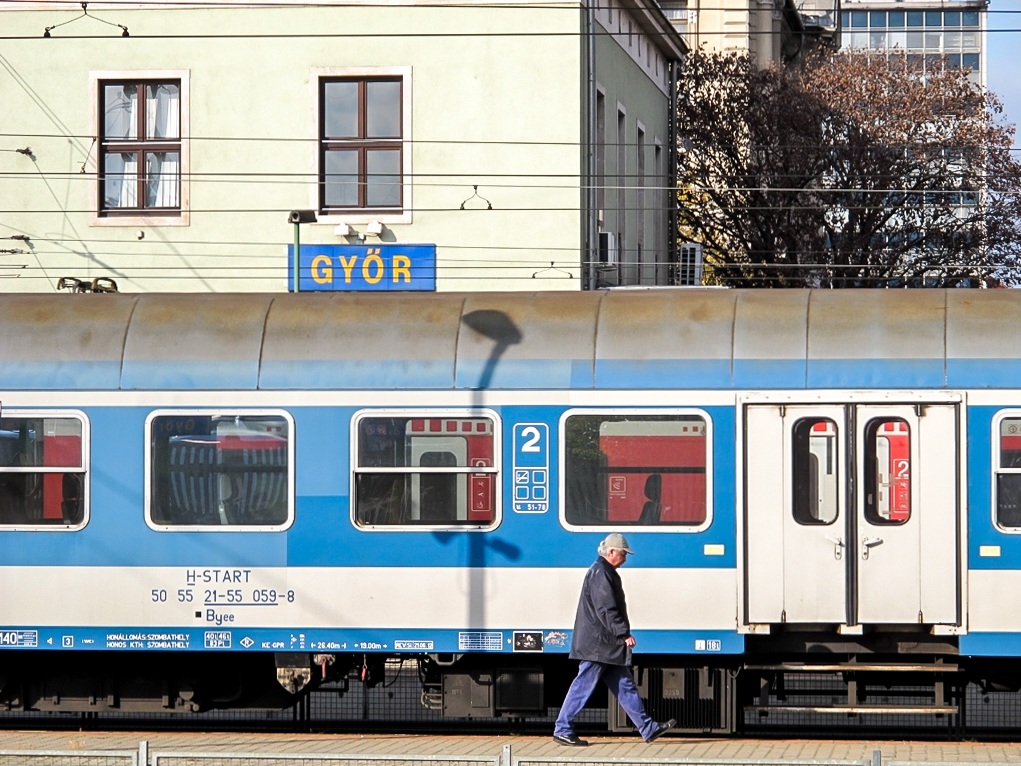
(646, 339)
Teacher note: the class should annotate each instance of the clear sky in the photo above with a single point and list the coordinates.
(1003, 64)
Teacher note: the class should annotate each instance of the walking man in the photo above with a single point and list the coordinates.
(602, 640)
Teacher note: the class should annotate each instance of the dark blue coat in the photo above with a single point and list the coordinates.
(601, 624)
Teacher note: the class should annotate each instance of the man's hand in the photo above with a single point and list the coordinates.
(630, 642)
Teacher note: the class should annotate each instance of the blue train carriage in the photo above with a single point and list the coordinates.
(225, 501)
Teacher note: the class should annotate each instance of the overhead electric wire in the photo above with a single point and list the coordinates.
(113, 6)
(306, 178)
(573, 7)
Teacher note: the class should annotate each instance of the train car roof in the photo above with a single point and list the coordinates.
(646, 339)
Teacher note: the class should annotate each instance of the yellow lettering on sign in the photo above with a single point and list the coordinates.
(373, 267)
(347, 264)
(401, 268)
(373, 261)
(322, 270)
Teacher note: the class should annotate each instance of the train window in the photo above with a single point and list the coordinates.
(635, 470)
(425, 470)
(887, 484)
(815, 466)
(215, 470)
(1008, 473)
(42, 471)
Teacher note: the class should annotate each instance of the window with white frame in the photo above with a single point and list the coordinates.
(140, 146)
(425, 470)
(631, 469)
(43, 470)
(219, 470)
(1007, 469)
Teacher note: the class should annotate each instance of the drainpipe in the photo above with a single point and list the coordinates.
(591, 238)
(671, 173)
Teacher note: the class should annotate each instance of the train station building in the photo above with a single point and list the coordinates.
(422, 146)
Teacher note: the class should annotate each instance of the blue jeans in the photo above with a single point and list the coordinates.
(618, 680)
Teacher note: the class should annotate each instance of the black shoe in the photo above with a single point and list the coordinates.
(661, 729)
(570, 739)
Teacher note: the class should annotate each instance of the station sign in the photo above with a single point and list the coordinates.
(363, 268)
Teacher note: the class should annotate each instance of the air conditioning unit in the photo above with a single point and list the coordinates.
(689, 264)
(607, 248)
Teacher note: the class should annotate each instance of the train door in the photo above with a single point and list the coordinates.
(852, 514)
(795, 465)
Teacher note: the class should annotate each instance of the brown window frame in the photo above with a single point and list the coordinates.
(362, 144)
(140, 147)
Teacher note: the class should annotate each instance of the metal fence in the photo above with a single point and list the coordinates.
(142, 756)
(175, 758)
(547, 761)
(72, 757)
(505, 758)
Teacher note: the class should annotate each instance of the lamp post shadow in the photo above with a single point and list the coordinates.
(499, 328)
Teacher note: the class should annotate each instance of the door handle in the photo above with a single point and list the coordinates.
(838, 546)
(869, 542)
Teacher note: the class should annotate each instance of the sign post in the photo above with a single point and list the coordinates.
(298, 217)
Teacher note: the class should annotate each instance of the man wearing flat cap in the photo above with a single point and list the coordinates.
(602, 640)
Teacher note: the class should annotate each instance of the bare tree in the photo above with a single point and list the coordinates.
(855, 171)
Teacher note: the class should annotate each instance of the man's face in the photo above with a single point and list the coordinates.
(616, 557)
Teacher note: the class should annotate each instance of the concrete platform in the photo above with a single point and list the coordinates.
(604, 749)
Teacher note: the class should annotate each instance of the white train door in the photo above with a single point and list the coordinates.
(852, 514)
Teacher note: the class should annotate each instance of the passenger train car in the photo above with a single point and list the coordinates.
(218, 501)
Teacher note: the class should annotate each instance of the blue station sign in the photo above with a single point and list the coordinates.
(363, 268)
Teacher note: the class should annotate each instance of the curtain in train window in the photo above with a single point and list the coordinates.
(1008, 473)
(887, 481)
(815, 467)
(429, 470)
(42, 471)
(219, 470)
(635, 470)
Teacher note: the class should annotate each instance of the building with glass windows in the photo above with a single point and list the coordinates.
(769, 31)
(341, 145)
(923, 29)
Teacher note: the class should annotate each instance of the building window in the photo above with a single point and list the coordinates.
(426, 470)
(361, 126)
(222, 470)
(636, 470)
(42, 471)
(140, 147)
